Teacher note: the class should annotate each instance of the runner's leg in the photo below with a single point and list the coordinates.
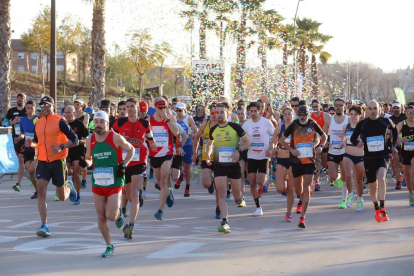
(41, 199)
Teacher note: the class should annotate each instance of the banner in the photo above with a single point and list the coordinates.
(207, 80)
(8, 158)
(400, 95)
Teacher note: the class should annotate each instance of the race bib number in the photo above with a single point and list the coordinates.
(17, 129)
(409, 146)
(348, 135)
(335, 146)
(257, 148)
(134, 158)
(28, 135)
(305, 149)
(225, 154)
(161, 139)
(375, 143)
(103, 176)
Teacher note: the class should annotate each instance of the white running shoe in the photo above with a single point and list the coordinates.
(258, 212)
(144, 193)
(360, 206)
(349, 201)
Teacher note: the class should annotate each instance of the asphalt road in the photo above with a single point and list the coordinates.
(335, 242)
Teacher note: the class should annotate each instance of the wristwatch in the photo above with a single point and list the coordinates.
(123, 165)
(62, 146)
(168, 120)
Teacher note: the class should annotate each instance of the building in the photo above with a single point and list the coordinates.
(26, 61)
(406, 80)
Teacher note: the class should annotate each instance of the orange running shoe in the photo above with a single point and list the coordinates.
(302, 223)
(384, 215)
(260, 191)
(378, 216)
(299, 209)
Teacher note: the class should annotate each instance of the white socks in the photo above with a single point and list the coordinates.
(344, 191)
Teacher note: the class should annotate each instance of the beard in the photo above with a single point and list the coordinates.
(99, 130)
(220, 121)
(19, 104)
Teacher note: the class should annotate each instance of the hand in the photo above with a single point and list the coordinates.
(295, 152)
(194, 157)
(208, 161)
(153, 145)
(28, 143)
(235, 157)
(275, 151)
(394, 152)
(343, 144)
(17, 139)
(121, 170)
(404, 140)
(265, 99)
(327, 145)
(56, 149)
(16, 120)
(360, 144)
(164, 116)
(269, 153)
(319, 149)
(181, 151)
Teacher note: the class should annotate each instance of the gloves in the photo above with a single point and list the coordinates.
(121, 170)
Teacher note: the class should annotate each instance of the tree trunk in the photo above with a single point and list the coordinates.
(202, 34)
(285, 74)
(302, 67)
(315, 81)
(98, 53)
(42, 71)
(64, 74)
(5, 41)
(140, 85)
(241, 56)
(47, 67)
(221, 40)
(261, 51)
(83, 71)
(161, 73)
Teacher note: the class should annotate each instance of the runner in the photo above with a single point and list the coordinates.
(76, 153)
(14, 115)
(376, 154)
(187, 123)
(143, 114)
(149, 100)
(200, 115)
(81, 115)
(302, 154)
(104, 151)
(53, 136)
(406, 130)
(258, 129)
(177, 173)
(226, 137)
(135, 130)
(241, 115)
(164, 127)
(353, 160)
(27, 127)
(396, 118)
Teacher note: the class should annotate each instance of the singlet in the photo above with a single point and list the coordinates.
(407, 132)
(205, 138)
(27, 126)
(259, 134)
(348, 133)
(199, 120)
(178, 139)
(184, 124)
(163, 138)
(335, 136)
(135, 134)
(226, 141)
(81, 118)
(282, 132)
(106, 157)
(320, 119)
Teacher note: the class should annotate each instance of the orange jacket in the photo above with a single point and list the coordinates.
(49, 134)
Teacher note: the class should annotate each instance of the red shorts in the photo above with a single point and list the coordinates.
(105, 191)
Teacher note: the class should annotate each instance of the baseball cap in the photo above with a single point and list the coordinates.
(47, 99)
(180, 105)
(396, 104)
(89, 110)
(143, 106)
(101, 115)
(303, 109)
(78, 100)
(160, 102)
(105, 104)
(21, 94)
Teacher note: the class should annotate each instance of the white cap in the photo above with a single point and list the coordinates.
(101, 115)
(396, 104)
(180, 105)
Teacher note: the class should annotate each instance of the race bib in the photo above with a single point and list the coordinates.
(335, 146)
(257, 148)
(225, 154)
(287, 140)
(28, 135)
(103, 176)
(134, 158)
(17, 129)
(375, 143)
(409, 146)
(348, 135)
(305, 149)
(161, 139)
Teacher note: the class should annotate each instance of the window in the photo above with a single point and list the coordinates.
(34, 68)
(20, 55)
(20, 68)
(34, 56)
(59, 55)
(59, 68)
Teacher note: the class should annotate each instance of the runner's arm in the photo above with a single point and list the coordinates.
(356, 133)
(327, 120)
(282, 139)
(86, 119)
(192, 124)
(88, 155)
(120, 142)
(172, 125)
(196, 141)
(69, 133)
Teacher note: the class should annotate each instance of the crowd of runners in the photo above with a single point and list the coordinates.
(295, 143)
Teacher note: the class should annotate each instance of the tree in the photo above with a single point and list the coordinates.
(5, 41)
(287, 34)
(83, 44)
(117, 68)
(166, 49)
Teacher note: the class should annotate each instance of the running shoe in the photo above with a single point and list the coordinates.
(110, 250)
(228, 195)
(302, 223)
(84, 184)
(158, 215)
(43, 231)
(260, 191)
(274, 175)
(404, 183)
(141, 199)
(120, 220)
(77, 201)
(242, 203)
(284, 193)
(411, 200)
(144, 193)
(218, 214)
(398, 185)
(34, 195)
(179, 180)
(16, 187)
(265, 188)
(125, 213)
(186, 193)
(211, 188)
(342, 205)
(258, 212)
(360, 206)
(56, 197)
(151, 174)
(30, 183)
(288, 218)
(73, 194)
(128, 231)
(157, 186)
(378, 216)
(349, 201)
(339, 183)
(299, 209)
(224, 228)
(384, 216)
(331, 183)
(317, 187)
(170, 198)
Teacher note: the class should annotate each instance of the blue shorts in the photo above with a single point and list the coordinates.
(188, 150)
(55, 170)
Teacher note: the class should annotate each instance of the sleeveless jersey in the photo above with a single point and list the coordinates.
(407, 132)
(106, 157)
(335, 136)
(184, 124)
(320, 120)
(348, 133)
(163, 138)
(205, 138)
(282, 131)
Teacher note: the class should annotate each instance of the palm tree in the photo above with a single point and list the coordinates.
(5, 41)
(289, 40)
(323, 58)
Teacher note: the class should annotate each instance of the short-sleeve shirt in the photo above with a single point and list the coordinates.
(13, 113)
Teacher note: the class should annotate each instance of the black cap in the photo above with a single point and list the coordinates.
(21, 94)
(303, 109)
(47, 99)
(315, 101)
(105, 104)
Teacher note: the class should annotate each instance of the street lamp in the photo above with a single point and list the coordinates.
(294, 36)
(52, 84)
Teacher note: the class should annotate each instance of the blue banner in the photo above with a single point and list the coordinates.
(8, 158)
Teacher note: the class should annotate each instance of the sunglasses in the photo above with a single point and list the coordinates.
(410, 113)
(77, 104)
(302, 115)
(178, 110)
(294, 105)
(396, 107)
(338, 105)
(161, 107)
(315, 106)
(45, 105)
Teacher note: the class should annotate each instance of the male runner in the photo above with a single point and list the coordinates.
(226, 137)
(14, 115)
(143, 114)
(53, 136)
(148, 99)
(396, 118)
(241, 114)
(104, 150)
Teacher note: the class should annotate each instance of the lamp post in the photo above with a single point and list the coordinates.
(294, 36)
(52, 85)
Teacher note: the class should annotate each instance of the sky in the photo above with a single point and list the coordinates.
(378, 32)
